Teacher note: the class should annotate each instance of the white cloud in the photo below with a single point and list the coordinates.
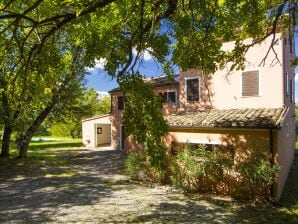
(296, 77)
(99, 64)
(145, 55)
(102, 94)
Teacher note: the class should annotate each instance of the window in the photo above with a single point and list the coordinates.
(172, 97)
(192, 89)
(99, 130)
(292, 88)
(250, 83)
(286, 83)
(120, 102)
(169, 96)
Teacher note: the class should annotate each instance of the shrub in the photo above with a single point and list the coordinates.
(139, 167)
(256, 177)
(199, 169)
(136, 165)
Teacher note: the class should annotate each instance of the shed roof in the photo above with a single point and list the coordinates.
(229, 118)
(95, 117)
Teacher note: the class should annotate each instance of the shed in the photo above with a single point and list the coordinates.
(96, 131)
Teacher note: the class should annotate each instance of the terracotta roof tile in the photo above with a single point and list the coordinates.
(229, 118)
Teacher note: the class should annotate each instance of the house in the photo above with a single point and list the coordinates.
(239, 109)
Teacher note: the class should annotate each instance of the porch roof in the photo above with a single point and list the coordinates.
(229, 118)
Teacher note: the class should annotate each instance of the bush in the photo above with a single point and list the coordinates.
(136, 165)
(139, 167)
(215, 172)
(256, 177)
(199, 169)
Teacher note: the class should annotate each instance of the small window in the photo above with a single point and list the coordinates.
(292, 88)
(287, 83)
(99, 130)
(192, 89)
(169, 96)
(172, 97)
(120, 102)
(250, 83)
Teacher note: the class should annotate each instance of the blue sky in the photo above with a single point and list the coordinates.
(100, 81)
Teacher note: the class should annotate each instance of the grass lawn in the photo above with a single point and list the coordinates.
(60, 162)
(41, 154)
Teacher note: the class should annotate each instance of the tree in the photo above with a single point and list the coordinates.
(184, 33)
(87, 106)
(143, 120)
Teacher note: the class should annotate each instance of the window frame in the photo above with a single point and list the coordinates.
(165, 95)
(259, 82)
(199, 89)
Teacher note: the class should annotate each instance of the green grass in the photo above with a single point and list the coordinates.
(43, 158)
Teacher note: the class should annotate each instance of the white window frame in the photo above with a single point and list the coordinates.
(185, 88)
(260, 83)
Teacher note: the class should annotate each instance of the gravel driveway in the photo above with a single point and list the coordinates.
(93, 189)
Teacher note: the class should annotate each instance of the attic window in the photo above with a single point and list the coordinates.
(192, 89)
(120, 102)
(250, 83)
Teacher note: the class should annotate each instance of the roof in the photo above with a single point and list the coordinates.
(155, 82)
(229, 118)
(96, 117)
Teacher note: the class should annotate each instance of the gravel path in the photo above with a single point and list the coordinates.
(93, 189)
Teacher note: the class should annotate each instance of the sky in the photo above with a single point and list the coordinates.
(100, 81)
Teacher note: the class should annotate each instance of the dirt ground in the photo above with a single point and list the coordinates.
(91, 187)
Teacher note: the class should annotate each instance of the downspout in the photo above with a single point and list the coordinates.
(271, 148)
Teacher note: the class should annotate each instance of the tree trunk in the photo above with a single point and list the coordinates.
(23, 140)
(6, 141)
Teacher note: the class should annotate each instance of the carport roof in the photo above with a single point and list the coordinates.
(229, 118)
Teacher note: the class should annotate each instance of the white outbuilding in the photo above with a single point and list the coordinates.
(96, 131)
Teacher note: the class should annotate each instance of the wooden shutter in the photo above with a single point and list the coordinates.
(192, 86)
(250, 83)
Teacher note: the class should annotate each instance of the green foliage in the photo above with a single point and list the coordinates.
(88, 105)
(144, 121)
(136, 165)
(256, 177)
(199, 169)
(214, 171)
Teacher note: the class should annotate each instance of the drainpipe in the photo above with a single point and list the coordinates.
(271, 148)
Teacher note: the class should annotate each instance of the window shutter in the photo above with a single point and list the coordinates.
(192, 86)
(250, 83)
